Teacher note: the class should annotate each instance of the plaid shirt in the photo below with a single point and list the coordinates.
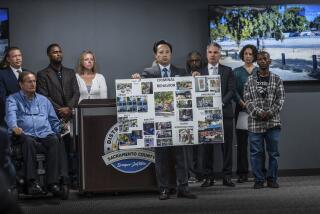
(256, 104)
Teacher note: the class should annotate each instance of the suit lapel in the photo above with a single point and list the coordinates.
(205, 70)
(173, 71)
(12, 79)
(157, 72)
(54, 79)
(220, 69)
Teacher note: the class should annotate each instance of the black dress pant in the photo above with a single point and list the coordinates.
(54, 150)
(242, 147)
(226, 148)
(163, 155)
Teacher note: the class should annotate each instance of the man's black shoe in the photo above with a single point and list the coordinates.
(207, 182)
(55, 189)
(164, 195)
(242, 179)
(172, 191)
(258, 185)
(272, 184)
(228, 182)
(186, 194)
(35, 189)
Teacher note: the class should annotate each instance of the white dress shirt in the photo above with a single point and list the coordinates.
(213, 69)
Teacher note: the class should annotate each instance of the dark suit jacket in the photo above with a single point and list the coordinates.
(154, 72)
(228, 87)
(8, 85)
(66, 95)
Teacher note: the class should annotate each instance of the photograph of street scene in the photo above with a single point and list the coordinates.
(4, 31)
(210, 132)
(149, 142)
(290, 33)
(132, 104)
(186, 136)
(164, 105)
(184, 85)
(130, 139)
(146, 88)
(164, 133)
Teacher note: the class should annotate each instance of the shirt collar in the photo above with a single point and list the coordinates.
(15, 70)
(215, 66)
(162, 67)
(24, 96)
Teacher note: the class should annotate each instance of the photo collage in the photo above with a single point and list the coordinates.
(157, 113)
(164, 133)
(184, 100)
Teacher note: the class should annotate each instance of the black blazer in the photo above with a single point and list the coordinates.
(228, 87)
(66, 95)
(154, 72)
(8, 85)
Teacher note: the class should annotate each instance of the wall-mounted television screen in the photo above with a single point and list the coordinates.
(4, 31)
(289, 32)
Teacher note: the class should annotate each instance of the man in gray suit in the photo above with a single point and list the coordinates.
(163, 68)
(227, 92)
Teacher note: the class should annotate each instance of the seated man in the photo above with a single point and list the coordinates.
(31, 117)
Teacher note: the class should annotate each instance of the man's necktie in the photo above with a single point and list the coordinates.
(211, 71)
(165, 72)
(214, 70)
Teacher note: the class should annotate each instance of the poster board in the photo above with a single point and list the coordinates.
(171, 111)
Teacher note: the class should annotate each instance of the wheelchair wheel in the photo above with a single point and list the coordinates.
(64, 192)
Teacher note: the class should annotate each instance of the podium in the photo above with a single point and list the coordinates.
(94, 118)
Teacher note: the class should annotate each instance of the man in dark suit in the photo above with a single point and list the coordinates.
(163, 68)
(12, 66)
(227, 91)
(59, 84)
(9, 77)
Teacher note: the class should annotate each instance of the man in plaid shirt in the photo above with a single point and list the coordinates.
(264, 97)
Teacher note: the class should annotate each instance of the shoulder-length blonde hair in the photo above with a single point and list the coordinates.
(80, 68)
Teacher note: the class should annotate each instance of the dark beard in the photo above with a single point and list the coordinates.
(195, 68)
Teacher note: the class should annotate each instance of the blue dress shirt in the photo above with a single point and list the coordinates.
(36, 117)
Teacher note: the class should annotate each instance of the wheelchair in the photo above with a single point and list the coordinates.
(22, 184)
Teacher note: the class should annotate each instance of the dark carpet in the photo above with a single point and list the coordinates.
(295, 195)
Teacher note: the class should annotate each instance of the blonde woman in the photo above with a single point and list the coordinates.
(92, 85)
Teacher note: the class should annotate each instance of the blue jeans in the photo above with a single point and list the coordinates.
(256, 140)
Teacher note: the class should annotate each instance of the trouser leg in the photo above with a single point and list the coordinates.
(162, 167)
(242, 152)
(207, 152)
(51, 143)
(29, 157)
(227, 147)
(256, 149)
(272, 141)
(181, 167)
